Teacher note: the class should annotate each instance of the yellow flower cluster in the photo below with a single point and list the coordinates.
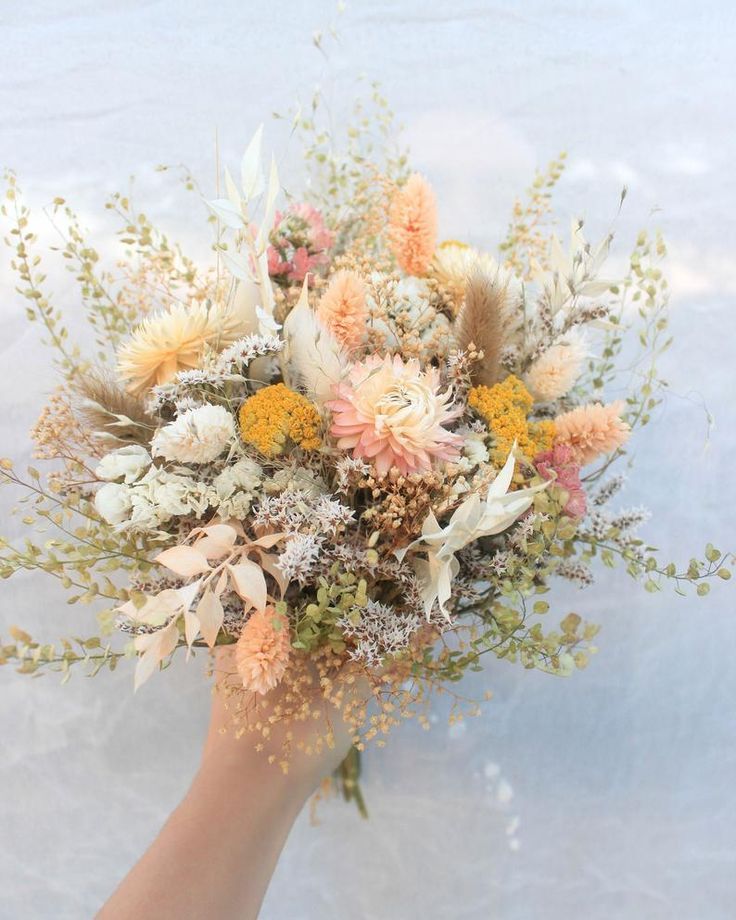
(505, 408)
(276, 413)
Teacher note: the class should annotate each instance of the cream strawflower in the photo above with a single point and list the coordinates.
(198, 435)
(391, 412)
(592, 430)
(555, 371)
(173, 341)
(262, 651)
(455, 262)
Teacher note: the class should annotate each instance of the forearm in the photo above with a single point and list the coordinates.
(215, 855)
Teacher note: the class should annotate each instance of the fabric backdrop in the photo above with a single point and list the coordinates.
(608, 795)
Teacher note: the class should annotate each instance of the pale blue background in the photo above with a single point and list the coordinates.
(621, 779)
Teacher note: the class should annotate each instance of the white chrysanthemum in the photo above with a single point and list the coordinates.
(198, 436)
(555, 371)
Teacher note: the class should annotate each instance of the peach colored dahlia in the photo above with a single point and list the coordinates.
(412, 230)
(592, 430)
(392, 412)
(262, 651)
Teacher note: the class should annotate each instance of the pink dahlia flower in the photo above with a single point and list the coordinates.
(300, 243)
(392, 413)
(561, 461)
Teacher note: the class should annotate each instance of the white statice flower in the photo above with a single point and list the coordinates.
(173, 494)
(155, 499)
(144, 516)
(114, 502)
(295, 479)
(378, 630)
(244, 476)
(234, 489)
(197, 436)
(236, 507)
(127, 463)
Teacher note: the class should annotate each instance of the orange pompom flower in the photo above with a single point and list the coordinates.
(592, 430)
(412, 230)
(343, 310)
(262, 651)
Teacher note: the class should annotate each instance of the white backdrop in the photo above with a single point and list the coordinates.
(609, 795)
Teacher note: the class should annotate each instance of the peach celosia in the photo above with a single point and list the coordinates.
(262, 651)
(393, 413)
(592, 430)
(413, 225)
(342, 308)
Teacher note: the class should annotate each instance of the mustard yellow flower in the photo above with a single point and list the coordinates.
(505, 408)
(276, 415)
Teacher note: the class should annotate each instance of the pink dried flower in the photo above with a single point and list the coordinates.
(559, 464)
(413, 225)
(300, 243)
(592, 430)
(262, 651)
(342, 308)
(393, 413)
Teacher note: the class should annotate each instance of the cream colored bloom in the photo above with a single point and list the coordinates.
(113, 502)
(454, 263)
(555, 371)
(473, 519)
(198, 435)
(173, 341)
(127, 463)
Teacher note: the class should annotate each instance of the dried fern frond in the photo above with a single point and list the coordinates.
(110, 411)
(480, 323)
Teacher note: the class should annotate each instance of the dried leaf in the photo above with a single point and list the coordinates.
(210, 615)
(250, 583)
(183, 560)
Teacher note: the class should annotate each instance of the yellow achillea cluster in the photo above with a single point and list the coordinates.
(275, 414)
(505, 408)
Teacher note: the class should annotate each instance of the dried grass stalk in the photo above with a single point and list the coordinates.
(480, 323)
(112, 412)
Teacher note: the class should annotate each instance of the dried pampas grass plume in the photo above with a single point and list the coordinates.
(412, 231)
(480, 323)
(109, 410)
